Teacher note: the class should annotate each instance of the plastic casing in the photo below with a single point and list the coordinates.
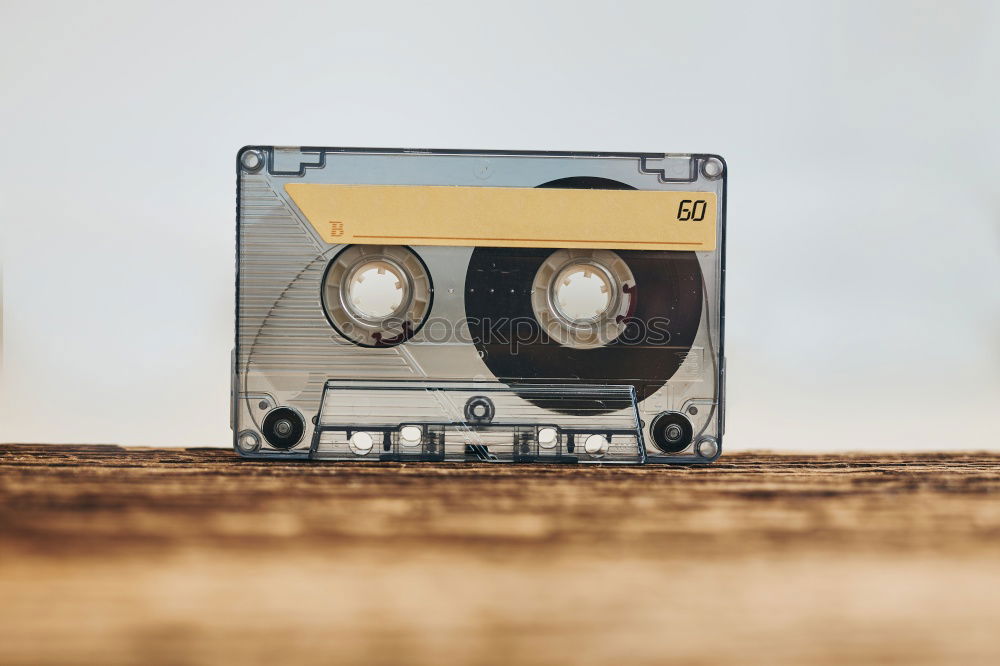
(287, 353)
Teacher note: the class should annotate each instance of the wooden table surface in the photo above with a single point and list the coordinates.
(115, 555)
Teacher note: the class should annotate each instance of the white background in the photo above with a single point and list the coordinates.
(864, 212)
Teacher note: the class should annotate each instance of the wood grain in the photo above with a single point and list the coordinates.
(116, 555)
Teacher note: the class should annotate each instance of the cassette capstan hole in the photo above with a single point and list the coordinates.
(361, 443)
(596, 445)
(547, 438)
(410, 435)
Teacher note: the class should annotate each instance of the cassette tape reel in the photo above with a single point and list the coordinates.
(477, 306)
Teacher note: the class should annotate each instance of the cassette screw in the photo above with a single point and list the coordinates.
(712, 168)
(248, 441)
(707, 447)
(251, 160)
(692, 410)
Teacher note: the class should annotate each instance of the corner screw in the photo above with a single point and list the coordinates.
(251, 160)
(711, 168)
(707, 447)
(248, 441)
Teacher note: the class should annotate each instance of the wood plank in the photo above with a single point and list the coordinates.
(123, 555)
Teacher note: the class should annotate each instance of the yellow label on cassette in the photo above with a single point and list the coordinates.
(508, 216)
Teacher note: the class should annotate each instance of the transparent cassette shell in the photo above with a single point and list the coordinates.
(290, 359)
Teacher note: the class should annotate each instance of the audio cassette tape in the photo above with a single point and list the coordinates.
(479, 306)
